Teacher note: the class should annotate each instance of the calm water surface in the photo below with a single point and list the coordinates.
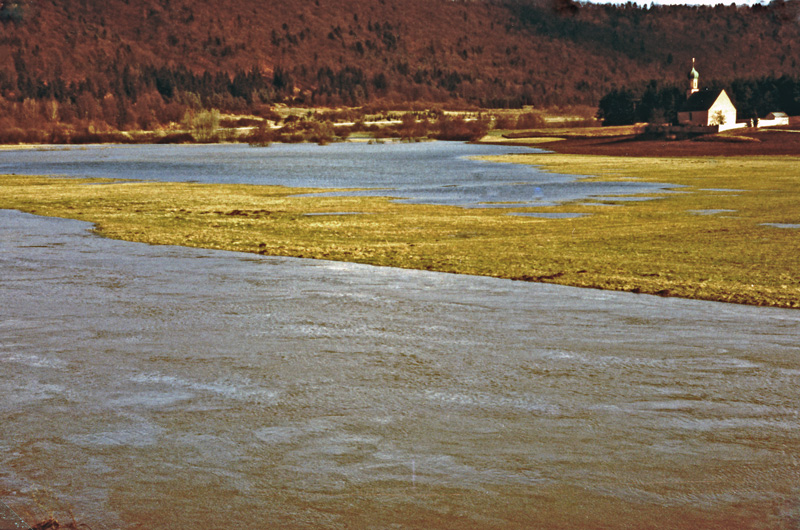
(428, 172)
(163, 387)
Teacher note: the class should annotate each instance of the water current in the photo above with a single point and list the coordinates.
(162, 387)
(155, 387)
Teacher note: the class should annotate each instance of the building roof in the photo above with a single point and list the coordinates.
(693, 74)
(701, 100)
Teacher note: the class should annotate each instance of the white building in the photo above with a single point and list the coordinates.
(774, 119)
(707, 108)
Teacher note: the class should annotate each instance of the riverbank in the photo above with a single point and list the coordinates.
(723, 236)
(629, 141)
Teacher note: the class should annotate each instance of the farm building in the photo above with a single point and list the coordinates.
(774, 119)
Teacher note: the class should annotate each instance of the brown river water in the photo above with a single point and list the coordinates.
(147, 387)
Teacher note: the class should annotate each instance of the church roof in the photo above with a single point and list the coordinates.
(700, 101)
(693, 74)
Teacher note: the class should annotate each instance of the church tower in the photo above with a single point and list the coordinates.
(693, 81)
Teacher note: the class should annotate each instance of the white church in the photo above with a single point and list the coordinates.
(713, 111)
(707, 108)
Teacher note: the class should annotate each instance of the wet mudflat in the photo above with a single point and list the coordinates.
(163, 387)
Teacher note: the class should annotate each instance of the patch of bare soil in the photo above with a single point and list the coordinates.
(760, 143)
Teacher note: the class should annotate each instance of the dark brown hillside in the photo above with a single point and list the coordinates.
(424, 49)
(165, 55)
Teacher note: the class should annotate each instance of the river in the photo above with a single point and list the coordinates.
(155, 387)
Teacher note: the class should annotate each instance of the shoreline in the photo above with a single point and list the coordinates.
(662, 247)
(758, 143)
(725, 237)
(598, 141)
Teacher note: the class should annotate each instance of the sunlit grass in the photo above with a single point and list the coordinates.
(674, 245)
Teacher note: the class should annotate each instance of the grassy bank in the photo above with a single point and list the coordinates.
(707, 242)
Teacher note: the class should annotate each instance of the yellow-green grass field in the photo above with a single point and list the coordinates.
(707, 241)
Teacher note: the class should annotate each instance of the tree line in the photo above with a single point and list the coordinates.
(659, 102)
(126, 97)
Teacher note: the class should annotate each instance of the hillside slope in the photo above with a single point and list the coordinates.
(491, 53)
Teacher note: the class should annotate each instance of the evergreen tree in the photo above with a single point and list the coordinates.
(617, 108)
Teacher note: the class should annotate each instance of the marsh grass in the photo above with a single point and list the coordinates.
(659, 246)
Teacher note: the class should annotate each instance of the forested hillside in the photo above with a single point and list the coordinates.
(134, 63)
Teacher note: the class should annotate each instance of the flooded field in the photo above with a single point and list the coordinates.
(429, 172)
(163, 387)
